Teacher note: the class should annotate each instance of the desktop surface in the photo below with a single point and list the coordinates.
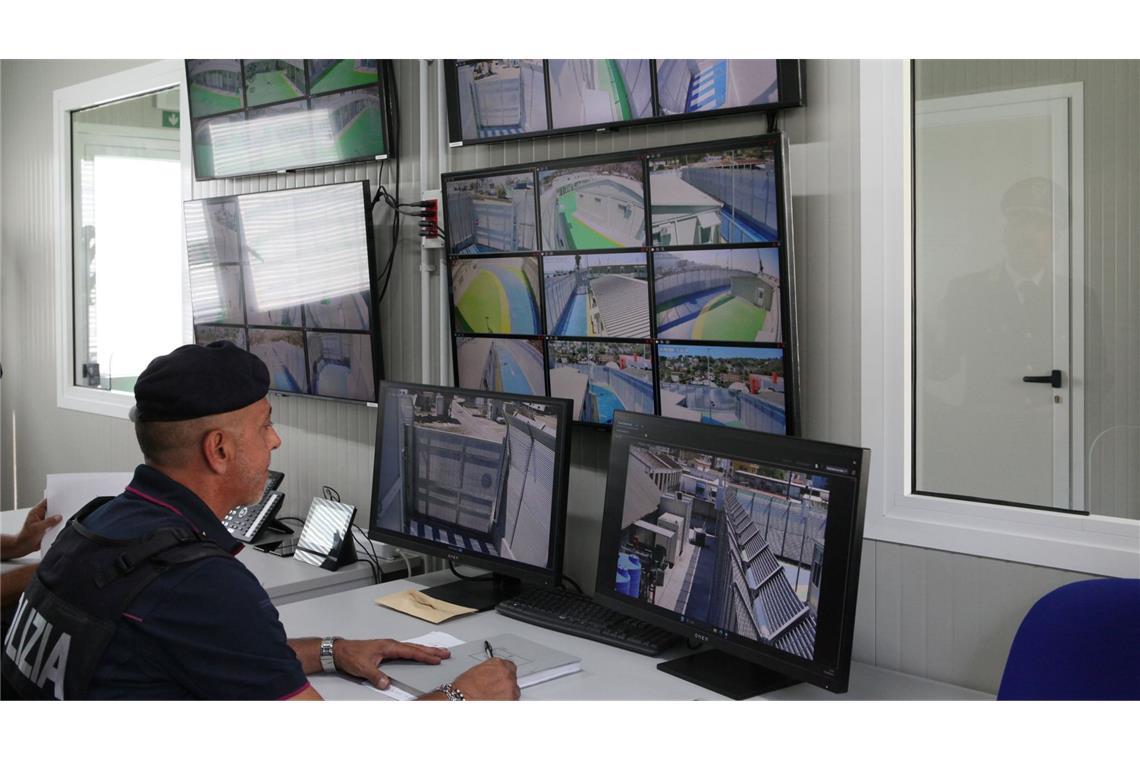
(607, 673)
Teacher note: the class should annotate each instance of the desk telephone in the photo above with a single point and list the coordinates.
(245, 523)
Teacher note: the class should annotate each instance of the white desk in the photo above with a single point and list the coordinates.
(607, 672)
(284, 578)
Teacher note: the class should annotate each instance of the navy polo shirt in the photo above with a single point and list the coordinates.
(203, 630)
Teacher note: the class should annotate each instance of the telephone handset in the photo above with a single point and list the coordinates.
(246, 522)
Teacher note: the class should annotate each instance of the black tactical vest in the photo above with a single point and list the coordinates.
(67, 615)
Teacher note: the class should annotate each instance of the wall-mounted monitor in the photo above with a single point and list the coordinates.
(252, 116)
(288, 276)
(561, 283)
(508, 99)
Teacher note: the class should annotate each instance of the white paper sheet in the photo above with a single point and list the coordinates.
(67, 493)
(430, 639)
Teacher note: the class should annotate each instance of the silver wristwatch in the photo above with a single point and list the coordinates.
(453, 694)
(328, 664)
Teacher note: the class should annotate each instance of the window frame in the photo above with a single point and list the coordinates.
(125, 84)
(895, 512)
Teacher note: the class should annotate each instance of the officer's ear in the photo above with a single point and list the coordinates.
(218, 450)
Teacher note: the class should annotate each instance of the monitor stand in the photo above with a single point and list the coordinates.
(725, 674)
(482, 592)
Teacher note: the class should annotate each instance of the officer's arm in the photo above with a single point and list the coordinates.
(13, 583)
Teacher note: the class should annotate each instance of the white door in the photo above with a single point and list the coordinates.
(994, 257)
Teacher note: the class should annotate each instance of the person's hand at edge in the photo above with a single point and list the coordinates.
(31, 535)
(494, 678)
(362, 658)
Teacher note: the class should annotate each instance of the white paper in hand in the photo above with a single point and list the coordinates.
(68, 492)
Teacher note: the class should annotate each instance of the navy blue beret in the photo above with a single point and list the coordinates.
(197, 381)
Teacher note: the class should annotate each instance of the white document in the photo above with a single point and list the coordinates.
(431, 639)
(67, 493)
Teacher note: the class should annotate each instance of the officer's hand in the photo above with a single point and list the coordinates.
(493, 678)
(363, 658)
(32, 534)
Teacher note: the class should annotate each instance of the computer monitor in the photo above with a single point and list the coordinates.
(745, 541)
(476, 477)
(288, 275)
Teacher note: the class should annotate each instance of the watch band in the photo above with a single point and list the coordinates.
(328, 663)
(453, 694)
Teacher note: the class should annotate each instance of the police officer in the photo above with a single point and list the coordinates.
(141, 597)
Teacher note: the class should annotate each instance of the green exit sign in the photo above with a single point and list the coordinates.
(170, 119)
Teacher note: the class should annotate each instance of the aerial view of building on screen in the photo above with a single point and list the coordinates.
(693, 85)
(601, 377)
(711, 198)
(473, 472)
(215, 86)
(599, 91)
(508, 365)
(491, 214)
(736, 545)
(724, 385)
(602, 295)
(273, 80)
(588, 207)
(718, 295)
(328, 74)
(499, 98)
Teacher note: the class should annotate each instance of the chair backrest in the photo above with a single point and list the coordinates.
(1080, 641)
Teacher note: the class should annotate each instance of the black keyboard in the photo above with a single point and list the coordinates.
(578, 615)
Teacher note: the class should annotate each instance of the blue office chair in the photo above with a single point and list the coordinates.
(1081, 641)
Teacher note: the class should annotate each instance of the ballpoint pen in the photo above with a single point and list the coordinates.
(487, 648)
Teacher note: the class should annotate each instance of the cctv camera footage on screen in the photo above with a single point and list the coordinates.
(468, 471)
(491, 214)
(694, 86)
(256, 116)
(592, 207)
(286, 275)
(501, 97)
(735, 545)
(715, 197)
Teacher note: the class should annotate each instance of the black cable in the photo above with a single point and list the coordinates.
(573, 582)
(772, 123)
(330, 493)
(393, 103)
(297, 520)
(457, 574)
(373, 563)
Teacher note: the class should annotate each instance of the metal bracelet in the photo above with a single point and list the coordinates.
(453, 694)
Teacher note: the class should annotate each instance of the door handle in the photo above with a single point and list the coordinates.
(1053, 378)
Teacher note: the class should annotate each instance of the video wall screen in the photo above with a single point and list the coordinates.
(493, 100)
(287, 276)
(267, 115)
(562, 285)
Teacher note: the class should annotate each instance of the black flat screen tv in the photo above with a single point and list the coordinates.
(253, 116)
(288, 275)
(475, 477)
(492, 100)
(746, 542)
(655, 281)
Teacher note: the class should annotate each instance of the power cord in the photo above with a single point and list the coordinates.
(457, 574)
(573, 582)
(370, 556)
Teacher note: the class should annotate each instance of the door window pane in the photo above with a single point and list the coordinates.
(1026, 363)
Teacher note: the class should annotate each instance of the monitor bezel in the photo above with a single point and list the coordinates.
(548, 576)
(245, 108)
(373, 332)
(789, 78)
(830, 665)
